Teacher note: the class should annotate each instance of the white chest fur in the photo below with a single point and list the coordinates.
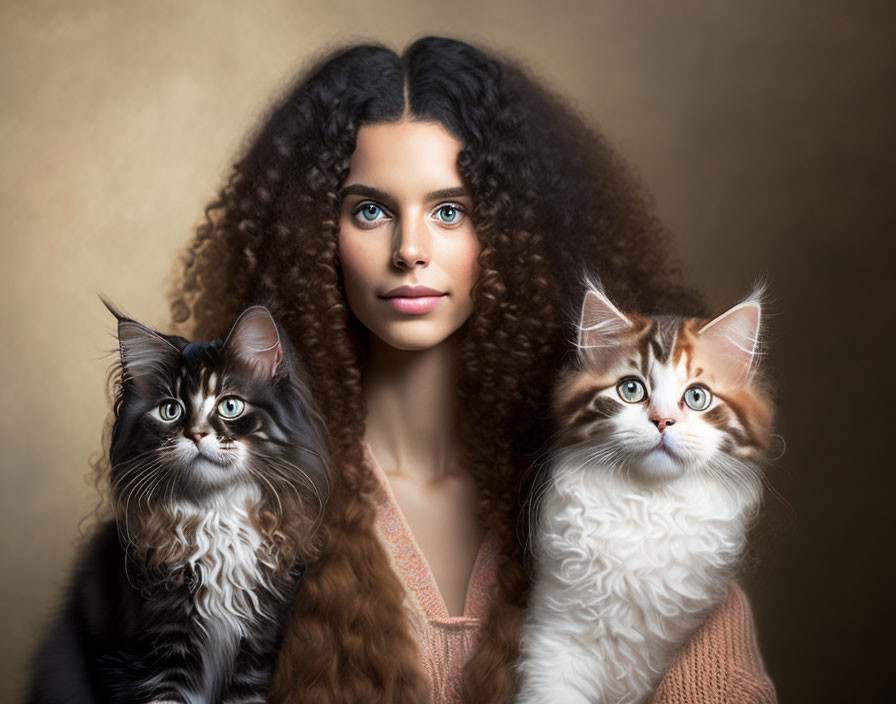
(623, 576)
(229, 565)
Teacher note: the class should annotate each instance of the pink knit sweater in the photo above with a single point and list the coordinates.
(719, 664)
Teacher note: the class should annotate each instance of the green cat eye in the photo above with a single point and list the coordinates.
(631, 390)
(698, 397)
(170, 411)
(231, 407)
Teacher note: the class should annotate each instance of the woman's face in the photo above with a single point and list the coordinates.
(406, 243)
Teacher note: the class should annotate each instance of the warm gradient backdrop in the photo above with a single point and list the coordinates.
(764, 129)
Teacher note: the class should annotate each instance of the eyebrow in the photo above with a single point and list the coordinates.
(357, 189)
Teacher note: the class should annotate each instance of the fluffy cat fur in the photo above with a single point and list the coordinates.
(643, 516)
(219, 470)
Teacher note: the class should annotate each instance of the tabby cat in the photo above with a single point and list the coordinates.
(653, 481)
(219, 470)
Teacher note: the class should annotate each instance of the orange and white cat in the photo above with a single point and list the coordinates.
(653, 481)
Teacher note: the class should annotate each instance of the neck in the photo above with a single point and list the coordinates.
(411, 399)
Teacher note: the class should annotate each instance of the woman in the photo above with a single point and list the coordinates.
(419, 225)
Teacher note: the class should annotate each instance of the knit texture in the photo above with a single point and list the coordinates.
(446, 642)
(720, 664)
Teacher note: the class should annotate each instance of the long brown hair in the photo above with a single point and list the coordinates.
(550, 198)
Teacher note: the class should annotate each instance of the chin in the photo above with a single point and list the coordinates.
(659, 465)
(409, 344)
(209, 474)
(415, 337)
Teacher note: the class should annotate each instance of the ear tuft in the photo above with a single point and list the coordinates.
(600, 322)
(143, 350)
(254, 340)
(112, 308)
(733, 337)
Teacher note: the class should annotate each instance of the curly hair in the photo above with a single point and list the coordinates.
(550, 198)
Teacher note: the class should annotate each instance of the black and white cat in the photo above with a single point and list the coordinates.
(219, 470)
(664, 428)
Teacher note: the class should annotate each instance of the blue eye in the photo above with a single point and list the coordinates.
(169, 411)
(631, 390)
(698, 397)
(231, 407)
(369, 212)
(449, 214)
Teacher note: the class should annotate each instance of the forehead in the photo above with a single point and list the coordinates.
(662, 341)
(657, 347)
(670, 352)
(198, 362)
(405, 157)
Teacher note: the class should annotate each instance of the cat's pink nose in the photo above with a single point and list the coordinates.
(197, 437)
(662, 423)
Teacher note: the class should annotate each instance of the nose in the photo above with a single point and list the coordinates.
(662, 423)
(197, 436)
(412, 246)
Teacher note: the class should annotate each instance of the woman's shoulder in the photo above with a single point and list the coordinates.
(721, 661)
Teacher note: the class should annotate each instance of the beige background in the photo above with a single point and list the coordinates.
(763, 128)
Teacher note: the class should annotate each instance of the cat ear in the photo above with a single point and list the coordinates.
(254, 340)
(733, 338)
(600, 323)
(143, 350)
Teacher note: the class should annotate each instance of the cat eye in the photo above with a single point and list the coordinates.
(698, 397)
(231, 407)
(631, 390)
(170, 411)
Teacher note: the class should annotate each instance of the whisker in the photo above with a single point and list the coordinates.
(309, 483)
(260, 475)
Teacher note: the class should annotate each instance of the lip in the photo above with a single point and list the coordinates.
(412, 292)
(413, 300)
(417, 305)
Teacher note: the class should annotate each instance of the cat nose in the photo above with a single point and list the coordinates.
(197, 437)
(662, 423)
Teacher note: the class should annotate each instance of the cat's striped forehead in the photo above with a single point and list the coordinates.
(202, 380)
(647, 345)
(651, 344)
(658, 341)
